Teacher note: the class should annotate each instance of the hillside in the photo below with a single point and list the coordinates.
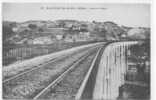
(34, 38)
(69, 31)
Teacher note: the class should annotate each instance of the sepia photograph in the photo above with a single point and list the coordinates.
(76, 51)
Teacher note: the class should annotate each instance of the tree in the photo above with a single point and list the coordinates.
(13, 24)
(40, 30)
(32, 26)
(7, 32)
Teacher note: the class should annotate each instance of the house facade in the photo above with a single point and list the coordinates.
(42, 40)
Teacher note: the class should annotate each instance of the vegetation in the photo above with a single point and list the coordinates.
(32, 26)
(17, 41)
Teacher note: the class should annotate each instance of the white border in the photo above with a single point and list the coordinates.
(153, 32)
(82, 1)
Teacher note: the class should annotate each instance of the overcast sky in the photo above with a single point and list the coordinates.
(134, 15)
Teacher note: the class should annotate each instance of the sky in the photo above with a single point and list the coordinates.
(133, 15)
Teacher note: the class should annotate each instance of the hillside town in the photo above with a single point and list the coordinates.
(48, 32)
(34, 38)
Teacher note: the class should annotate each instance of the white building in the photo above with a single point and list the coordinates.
(42, 40)
(59, 37)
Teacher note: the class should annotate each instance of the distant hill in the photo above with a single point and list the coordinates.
(14, 32)
(139, 33)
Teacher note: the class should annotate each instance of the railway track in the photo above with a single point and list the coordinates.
(85, 91)
(67, 85)
(17, 80)
(29, 70)
(9, 78)
(74, 80)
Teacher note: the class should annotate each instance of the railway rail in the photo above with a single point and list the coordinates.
(19, 68)
(86, 89)
(54, 82)
(54, 85)
(90, 76)
(7, 79)
(29, 70)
